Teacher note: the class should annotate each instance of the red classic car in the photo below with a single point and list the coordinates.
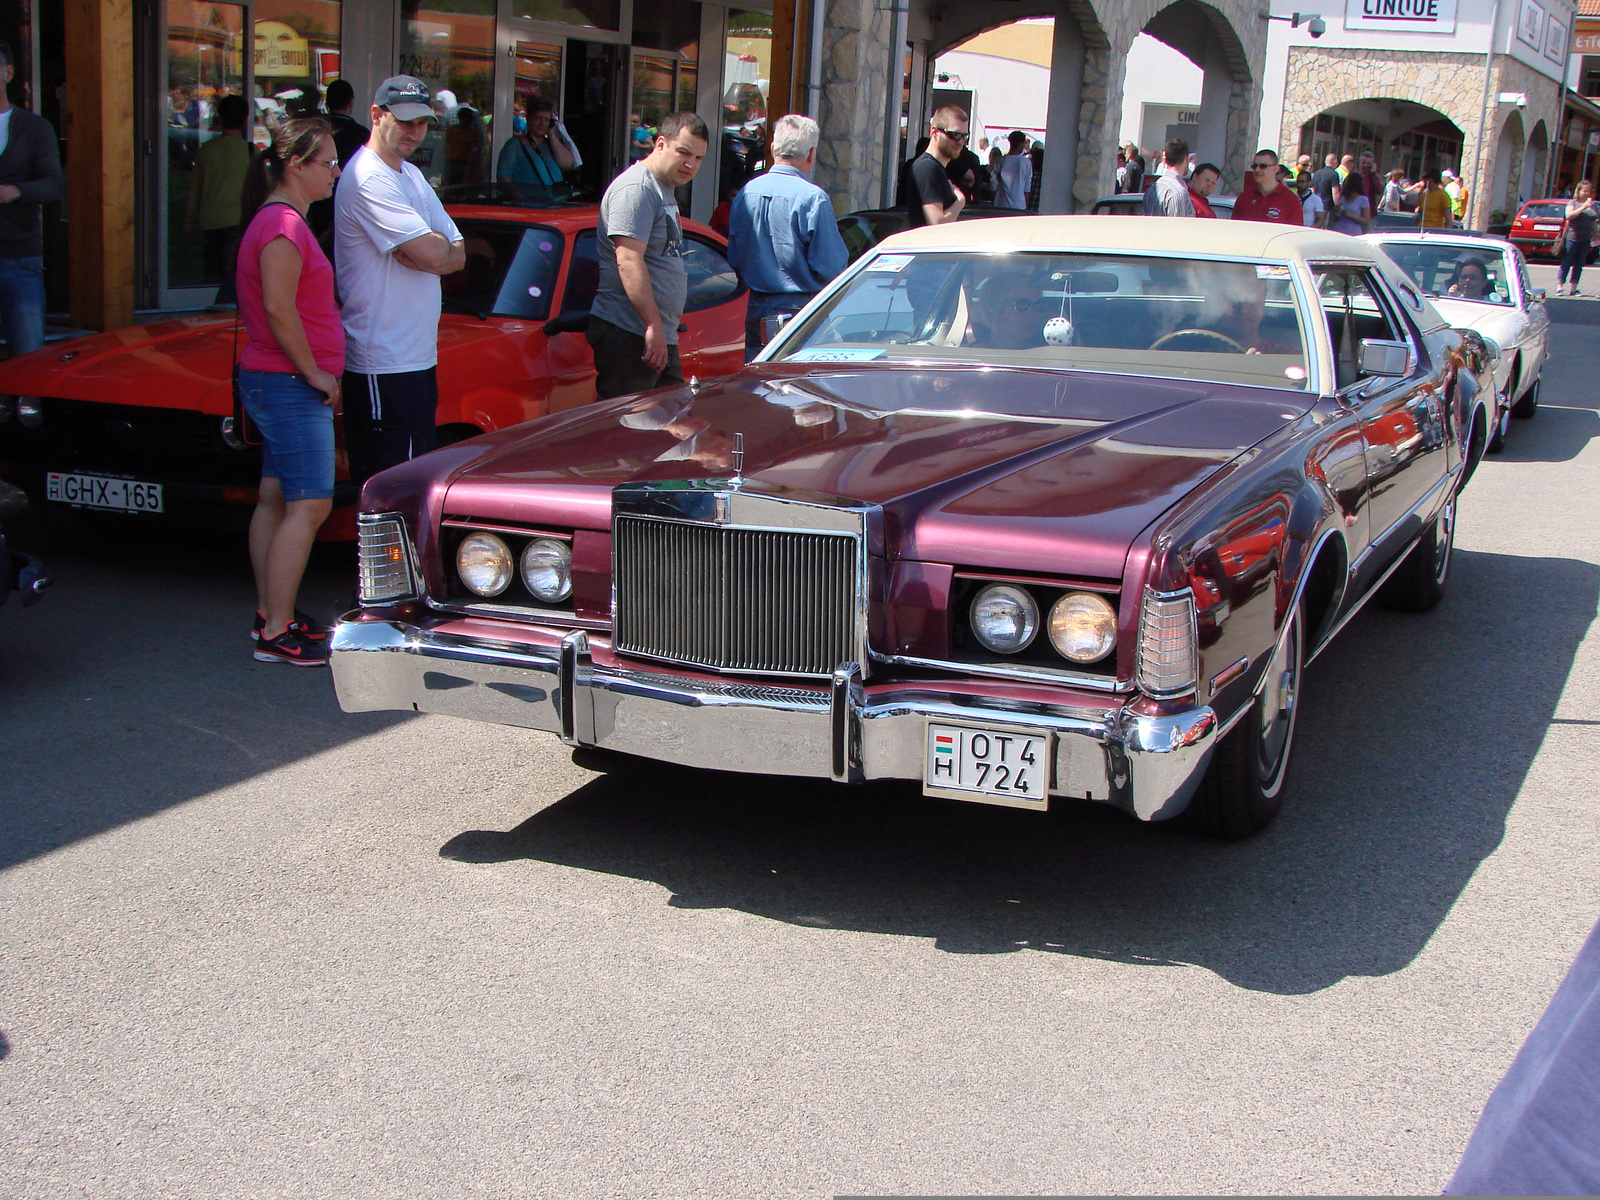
(1018, 509)
(1539, 227)
(141, 420)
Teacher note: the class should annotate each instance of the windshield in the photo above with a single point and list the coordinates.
(1455, 272)
(511, 270)
(1545, 212)
(1183, 319)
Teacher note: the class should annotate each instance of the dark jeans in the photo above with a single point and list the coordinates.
(1572, 259)
(619, 362)
(22, 303)
(220, 262)
(760, 308)
(388, 419)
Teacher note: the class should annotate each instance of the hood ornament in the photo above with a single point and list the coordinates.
(738, 461)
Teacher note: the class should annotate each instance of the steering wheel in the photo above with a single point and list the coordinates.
(1210, 333)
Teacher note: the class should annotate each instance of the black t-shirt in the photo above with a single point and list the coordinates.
(929, 184)
(1135, 174)
(960, 165)
(1323, 182)
(349, 135)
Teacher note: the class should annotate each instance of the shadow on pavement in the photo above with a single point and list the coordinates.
(1414, 740)
(123, 692)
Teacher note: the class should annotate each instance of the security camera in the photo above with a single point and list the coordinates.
(1313, 22)
(1316, 27)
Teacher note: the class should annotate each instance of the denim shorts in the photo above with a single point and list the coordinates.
(296, 427)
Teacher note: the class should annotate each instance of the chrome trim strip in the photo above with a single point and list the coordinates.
(574, 654)
(563, 618)
(1372, 543)
(1025, 672)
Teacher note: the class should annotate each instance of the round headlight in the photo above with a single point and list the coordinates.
(1083, 627)
(1004, 618)
(484, 564)
(30, 413)
(547, 569)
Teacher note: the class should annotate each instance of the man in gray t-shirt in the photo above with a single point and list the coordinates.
(633, 324)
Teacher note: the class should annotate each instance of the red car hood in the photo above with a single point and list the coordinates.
(975, 466)
(183, 363)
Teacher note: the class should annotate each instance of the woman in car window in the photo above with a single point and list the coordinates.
(1470, 281)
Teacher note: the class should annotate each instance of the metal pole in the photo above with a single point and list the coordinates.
(819, 10)
(897, 75)
(1483, 110)
(1561, 107)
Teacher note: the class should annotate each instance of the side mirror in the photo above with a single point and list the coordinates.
(1539, 294)
(1385, 359)
(773, 325)
(569, 322)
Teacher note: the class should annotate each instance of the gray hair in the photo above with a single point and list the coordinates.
(794, 136)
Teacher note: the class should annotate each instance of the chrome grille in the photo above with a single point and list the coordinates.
(767, 601)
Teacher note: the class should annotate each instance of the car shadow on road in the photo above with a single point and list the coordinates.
(1415, 738)
(130, 689)
(1555, 434)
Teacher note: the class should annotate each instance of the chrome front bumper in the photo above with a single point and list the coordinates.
(1148, 766)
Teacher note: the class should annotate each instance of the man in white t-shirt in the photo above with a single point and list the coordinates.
(1016, 174)
(393, 240)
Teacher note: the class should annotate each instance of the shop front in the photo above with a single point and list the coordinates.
(612, 69)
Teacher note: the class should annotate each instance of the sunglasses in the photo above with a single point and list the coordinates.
(951, 133)
(1263, 166)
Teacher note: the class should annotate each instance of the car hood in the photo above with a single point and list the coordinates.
(977, 466)
(1491, 320)
(183, 362)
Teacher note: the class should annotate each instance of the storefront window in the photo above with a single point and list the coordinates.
(747, 72)
(205, 62)
(296, 58)
(449, 45)
(587, 14)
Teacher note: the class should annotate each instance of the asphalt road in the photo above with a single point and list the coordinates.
(251, 946)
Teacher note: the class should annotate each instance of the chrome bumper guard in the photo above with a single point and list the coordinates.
(1148, 766)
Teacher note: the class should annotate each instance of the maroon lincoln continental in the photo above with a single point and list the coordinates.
(1019, 509)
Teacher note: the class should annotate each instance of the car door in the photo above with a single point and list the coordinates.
(713, 311)
(1536, 336)
(1404, 419)
(570, 356)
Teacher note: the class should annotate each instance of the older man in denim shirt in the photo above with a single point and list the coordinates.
(783, 238)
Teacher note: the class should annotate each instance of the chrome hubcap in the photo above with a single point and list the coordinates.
(1277, 706)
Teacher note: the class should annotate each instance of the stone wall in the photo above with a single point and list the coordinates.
(854, 116)
(1319, 78)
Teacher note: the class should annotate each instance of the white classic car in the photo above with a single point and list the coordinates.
(1481, 284)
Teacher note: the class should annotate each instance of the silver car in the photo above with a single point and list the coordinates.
(1481, 283)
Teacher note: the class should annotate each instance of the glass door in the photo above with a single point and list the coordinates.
(592, 111)
(449, 45)
(204, 61)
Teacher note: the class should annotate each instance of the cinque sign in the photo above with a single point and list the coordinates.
(1409, 16)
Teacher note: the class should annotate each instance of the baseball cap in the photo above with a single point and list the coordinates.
(406, 96)
(1447, 173)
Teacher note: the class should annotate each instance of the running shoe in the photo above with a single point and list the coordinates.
(304, 621)
(293, 647)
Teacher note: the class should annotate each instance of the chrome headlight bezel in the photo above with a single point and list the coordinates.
(497, 558)
(997, 598)
(1088, 616)
(547, 554)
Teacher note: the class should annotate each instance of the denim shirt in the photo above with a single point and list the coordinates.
(783, 240)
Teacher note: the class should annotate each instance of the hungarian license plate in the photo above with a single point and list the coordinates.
(102, 491)
(993, 764)
(1547, 228)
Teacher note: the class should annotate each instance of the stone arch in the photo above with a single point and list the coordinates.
(1322, 78)
(1506, 191)
(1536, 161)
(1205, 36)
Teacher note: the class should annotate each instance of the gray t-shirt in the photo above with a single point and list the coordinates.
(637, 205)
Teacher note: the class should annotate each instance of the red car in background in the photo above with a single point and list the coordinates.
(141, 420)
(1540, 227)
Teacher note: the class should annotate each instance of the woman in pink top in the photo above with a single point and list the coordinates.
(289, 377)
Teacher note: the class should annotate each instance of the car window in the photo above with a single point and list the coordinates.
(510, 271)
(1544, 212)
(1453, 272)
(712, 280)
(1354, 312)
(583, 277)
(1103, 311)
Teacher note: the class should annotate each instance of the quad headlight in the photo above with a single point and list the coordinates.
(484, 563)
(1004, 618)
(547, 569)
(1083, 627)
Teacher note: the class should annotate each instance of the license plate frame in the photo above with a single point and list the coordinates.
(108, 493)
(955, 784)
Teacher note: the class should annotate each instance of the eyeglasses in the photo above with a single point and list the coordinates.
(330, 163)
(954, 135)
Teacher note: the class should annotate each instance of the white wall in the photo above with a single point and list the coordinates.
(1157, 74)
(1007, 94)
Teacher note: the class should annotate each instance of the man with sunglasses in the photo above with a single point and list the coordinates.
(931, 199)
(1264, 197)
